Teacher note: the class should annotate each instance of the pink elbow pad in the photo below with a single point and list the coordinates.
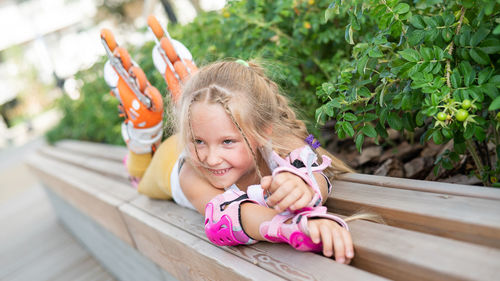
(302, 162)
(223, 221)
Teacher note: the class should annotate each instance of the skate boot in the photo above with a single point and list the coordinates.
(171, 58)
(141, 104)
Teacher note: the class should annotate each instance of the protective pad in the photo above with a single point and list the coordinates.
(223, 219)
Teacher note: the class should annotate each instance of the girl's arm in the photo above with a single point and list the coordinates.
(335, 239)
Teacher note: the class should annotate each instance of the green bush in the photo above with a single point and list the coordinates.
(291, 39)
(431, 65)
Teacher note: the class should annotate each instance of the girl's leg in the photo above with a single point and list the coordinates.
(155, 181)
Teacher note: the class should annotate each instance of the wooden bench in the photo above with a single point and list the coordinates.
(434, 231)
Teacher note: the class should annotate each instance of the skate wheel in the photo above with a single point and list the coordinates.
(155, 27)
(124, 57)
(109, 38)
(156, 100)
(173, 84)
(191, 66)
(139, 77)
(167, 46)
(181, 69)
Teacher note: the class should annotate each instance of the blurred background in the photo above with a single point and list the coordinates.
(45, 43)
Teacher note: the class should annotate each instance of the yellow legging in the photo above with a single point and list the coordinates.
(155, 170)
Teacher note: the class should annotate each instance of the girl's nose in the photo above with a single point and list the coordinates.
(212, 158)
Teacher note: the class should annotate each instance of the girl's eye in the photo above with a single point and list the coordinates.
(228, 141)
(198, 141)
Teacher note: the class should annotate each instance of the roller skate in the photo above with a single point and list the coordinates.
(171, 58)
(140, 103)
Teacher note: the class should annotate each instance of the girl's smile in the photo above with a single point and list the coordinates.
(219, 148)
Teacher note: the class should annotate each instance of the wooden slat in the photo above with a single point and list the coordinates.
(108, 168)
(469, 219)
(277, 258)
(426, 186)
(184, 255)
(401, 254)
(99, 150)
(125, 262)
(84, 190)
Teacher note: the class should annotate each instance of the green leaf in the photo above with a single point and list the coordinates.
(437, 137)
(455, 78)
(350, 117)
(417, 22)
(494, 104)
(469, 131)
(369, 131)
(360, 138)
(361, 66)
(426, 53)
(401, 8)
(375, 52)
(490, 46)
(478, 36)
(395, 121)
(364, 92)
(495, 80)
(430, 21)
(410, 55)
(348, 34)
(348, 128)
(327, 88)
(479, 56)
(449, 19)
(415, 37)
(484, 75)
(447, 34)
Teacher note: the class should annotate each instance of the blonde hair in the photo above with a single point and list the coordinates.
(254, 104)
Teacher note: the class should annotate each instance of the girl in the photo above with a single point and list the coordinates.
(243, 159)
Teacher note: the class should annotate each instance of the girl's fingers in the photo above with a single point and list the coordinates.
(326, 238)
(302, 202)
(338, 241)
(349, 248)
(265, 182)
(289, 199)
(314, 233)
(278, 195)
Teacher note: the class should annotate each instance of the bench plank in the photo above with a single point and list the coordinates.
(278, 258)
(408, 255)
(426, 186)
(82, 189)
(184, 255)
(98, 150)
(469, 219)
(103, 166)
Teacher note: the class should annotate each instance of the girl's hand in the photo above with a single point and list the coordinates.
(335, 238)
(287, 191)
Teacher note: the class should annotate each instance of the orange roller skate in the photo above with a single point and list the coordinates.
(140, 103)
(171, 58)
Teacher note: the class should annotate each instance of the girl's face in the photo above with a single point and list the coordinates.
(224, 157)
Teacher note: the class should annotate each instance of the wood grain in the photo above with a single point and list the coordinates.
(98, 150)
(468, 219)
(280, 259)
(84, 191)
(426, 186)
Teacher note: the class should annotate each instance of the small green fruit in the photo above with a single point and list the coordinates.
(466, 104)
(461, 115)
(441, 116)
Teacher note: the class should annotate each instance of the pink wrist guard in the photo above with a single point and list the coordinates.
(296, 232)
(223, 220)
(302, 162)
